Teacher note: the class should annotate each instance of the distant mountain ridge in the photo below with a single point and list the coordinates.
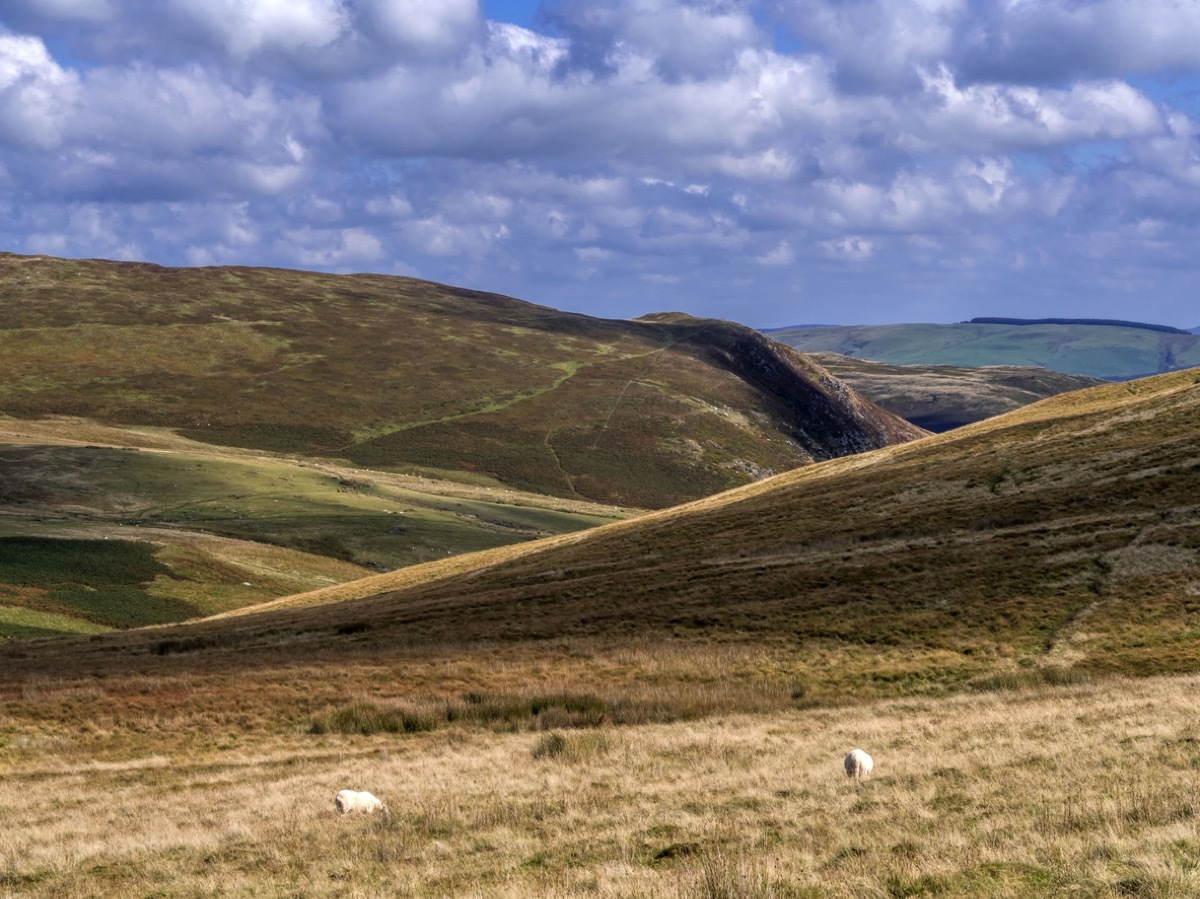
(1103, 322)
(1112, 351)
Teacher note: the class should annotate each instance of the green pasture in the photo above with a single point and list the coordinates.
(1100, 351)
(96, 535)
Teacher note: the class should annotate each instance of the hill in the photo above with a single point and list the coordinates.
(941, 397)
(384, 372)
(1060, 537)
(1110, 352)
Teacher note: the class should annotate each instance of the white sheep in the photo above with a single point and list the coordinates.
(347, 801)
(858, 764)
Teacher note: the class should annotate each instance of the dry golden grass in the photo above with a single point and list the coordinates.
(1077, 791)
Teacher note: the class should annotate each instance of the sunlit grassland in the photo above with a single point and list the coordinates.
(1085, 790)
(659, 706)
(227, 528)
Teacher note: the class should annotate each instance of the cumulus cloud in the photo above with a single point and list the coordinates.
(852, 248)
(423, 28)
(1054, 40)
(877, 45)
(676, 40)
(991, 116)
(36, 93)
(244, 27)
(693, 145)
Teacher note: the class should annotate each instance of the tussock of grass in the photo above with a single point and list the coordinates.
(537, 711)
(366, 718)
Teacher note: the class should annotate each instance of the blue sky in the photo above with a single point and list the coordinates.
(768, 161)
(519, 12)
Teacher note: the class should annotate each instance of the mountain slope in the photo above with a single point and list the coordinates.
(405, 374)
(1061, 536)
(1099, 351)
(941, 397)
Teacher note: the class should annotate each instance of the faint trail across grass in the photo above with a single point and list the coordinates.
(570, 369)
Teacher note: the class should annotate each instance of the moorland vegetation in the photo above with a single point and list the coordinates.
(406, 375)
(1006, 616)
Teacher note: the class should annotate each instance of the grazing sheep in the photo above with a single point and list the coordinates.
(347, 801)
(858, 764)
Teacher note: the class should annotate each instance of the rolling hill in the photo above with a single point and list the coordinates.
(941, 397)
(394, 373)
(1113, 353)
(1058, 539)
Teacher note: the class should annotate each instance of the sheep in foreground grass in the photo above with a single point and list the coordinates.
(858, 764)
(347, 801)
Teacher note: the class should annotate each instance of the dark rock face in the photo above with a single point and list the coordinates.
(823, 414)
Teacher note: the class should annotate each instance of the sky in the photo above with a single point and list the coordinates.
(773, 162)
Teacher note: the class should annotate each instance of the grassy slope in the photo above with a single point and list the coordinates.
(1112, 353)
(1060, 535)
(396, 373)
(137, 527)
(941, 397)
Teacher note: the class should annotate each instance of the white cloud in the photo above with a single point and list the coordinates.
(995, 117)
(393, 206)
(430, 29)
(36, 94)
(1053, 40)
(877, 44)
(851, 248)
(244, 27)
(331, 248)
(782, 255)
(666, 138)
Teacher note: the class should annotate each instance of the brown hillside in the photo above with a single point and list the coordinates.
(403, 374)
(1060, 537)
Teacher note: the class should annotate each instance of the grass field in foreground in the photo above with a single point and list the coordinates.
(1087, 790)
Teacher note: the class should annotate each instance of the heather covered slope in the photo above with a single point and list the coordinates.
(941, 397)
(389, 372)
(1059, 537)
(1109, 352)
